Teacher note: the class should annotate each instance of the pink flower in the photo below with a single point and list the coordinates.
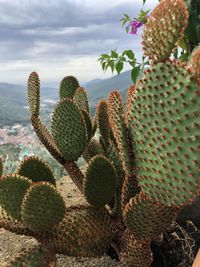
(134, 25)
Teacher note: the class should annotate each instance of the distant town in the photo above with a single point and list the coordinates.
(20, 136)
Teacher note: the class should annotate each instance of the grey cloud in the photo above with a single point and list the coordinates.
(36, 30)
(24, 26)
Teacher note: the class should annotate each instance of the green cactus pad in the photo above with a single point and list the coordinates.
(195, 63)
(94, 123)
(42, 207)
(94, 148)
(11, 224)
(46, 138)
(68, 87)
(34, 93)
(88, 124)
(84, 232)
(1, 166)
(129, 189)
(12, 190)
(100, 181)
(164, 126)
(165, 25)
(113, 155)
(103, 120)
(80, 98)
(36, 170)
(135, 251)
(117, 124)
(33, 256)
(147, 219)
(130, 93)
(69, 129)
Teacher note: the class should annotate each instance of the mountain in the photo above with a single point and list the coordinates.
(102, 88)
(13, 98)
(92, 82)
(13, 102)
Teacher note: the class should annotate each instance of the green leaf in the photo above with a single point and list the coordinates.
(182, 43)
(125, 19)
(112, 65)
(143, 16)
(107, 65)
(144, 1)
(135, 73)
(103, 65)
(104, 56)
(123, 22)
(114, 54)
(132, 63)
(130, 54)
(184, 57)
(127, 16)
(119, 67)
(122, 59)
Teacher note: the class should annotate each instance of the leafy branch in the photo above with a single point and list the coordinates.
(116, 62)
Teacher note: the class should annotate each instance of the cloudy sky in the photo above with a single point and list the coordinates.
(62, 37)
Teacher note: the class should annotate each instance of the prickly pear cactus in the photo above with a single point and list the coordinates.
(143, 169)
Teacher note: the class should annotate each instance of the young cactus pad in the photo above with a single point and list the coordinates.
(69, 129)
(100, 181)
(42, 207)
(36, 170)
(12, 190)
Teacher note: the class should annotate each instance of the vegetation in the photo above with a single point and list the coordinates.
(142, 171)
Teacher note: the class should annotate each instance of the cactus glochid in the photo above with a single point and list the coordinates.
(143, 169)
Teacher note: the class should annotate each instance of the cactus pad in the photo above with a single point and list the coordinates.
(88, 124)
(113, 156)
(147, 219)
(34, 93)
(134, 251)
(195, 63)
(165, 25)
(84, 232)
(46, 138)
(103, 121)
(35, 256)
(100, 181)
(80, 99)
(94, 148)
(164, 125)
(36, 170)
(42, 207)
(68, 87)
(130, 93)
(69, 129)
(117, 124)
(12, 190)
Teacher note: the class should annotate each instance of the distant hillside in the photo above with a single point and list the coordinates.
(102, 88)
(13, 98)
(13, 102)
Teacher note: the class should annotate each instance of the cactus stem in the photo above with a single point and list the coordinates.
(75, 173)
